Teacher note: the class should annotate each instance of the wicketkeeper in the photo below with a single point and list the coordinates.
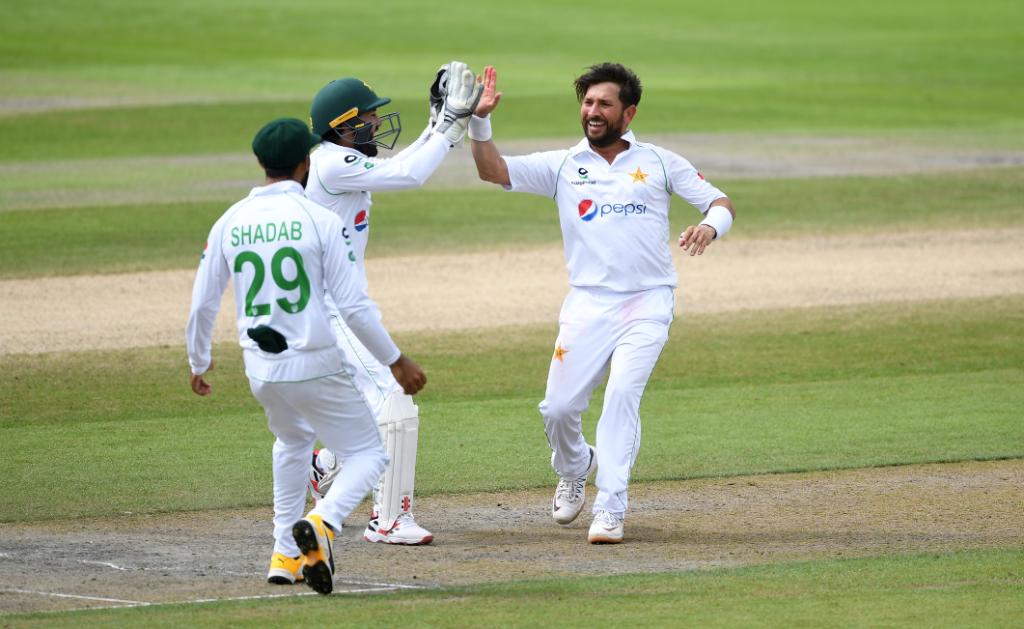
(344, 173)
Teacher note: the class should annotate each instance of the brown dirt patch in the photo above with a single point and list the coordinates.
(505, 536)
(526, 287)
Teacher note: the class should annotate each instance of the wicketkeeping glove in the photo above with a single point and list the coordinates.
(438, 90)
(462, 95)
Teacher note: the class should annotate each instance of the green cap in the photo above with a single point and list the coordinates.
(340, 101)
(283, 143)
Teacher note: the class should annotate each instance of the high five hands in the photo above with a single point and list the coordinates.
(490, 98)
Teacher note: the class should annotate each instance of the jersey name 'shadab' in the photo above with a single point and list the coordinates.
(265, 232)
(285, 256)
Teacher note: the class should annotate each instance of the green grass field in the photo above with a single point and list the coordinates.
(124, 133)
(963, 590)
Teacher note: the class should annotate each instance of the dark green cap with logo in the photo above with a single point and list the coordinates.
(284, 143)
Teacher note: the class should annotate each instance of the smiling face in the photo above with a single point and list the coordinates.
(603, 116)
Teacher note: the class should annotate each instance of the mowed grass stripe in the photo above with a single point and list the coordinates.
(160, 236)
(947, 386)
(723, 157)
(964, 589)
(870, 70)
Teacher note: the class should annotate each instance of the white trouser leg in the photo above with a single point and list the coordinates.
(377, 385)
(577, 366)
(290, 459)
(599, 330)
(618, 429)
(332, 410)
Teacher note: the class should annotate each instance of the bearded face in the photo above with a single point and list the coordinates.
(369, 150)
(603, 116)
(601, 131)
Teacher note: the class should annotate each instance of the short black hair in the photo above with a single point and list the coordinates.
(629, 85)
(279, 173)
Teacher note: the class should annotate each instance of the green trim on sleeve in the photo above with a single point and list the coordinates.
(558, 173)
(316, 171)
(668, 187)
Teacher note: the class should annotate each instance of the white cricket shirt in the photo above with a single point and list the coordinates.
(342, 179)
(284, 255)
(614, 217)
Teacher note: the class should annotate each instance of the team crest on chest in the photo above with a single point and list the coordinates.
(639, 176)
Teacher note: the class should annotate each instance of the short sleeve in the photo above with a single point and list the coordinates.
(686, 181)
(536, 173)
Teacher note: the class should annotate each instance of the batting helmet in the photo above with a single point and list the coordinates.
(340, 105)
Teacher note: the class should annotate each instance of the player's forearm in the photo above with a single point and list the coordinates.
(489, 163)
(207, 291)
(726, 203)
(199, 339)
(364, 321)
(415, 146)
(416, 168)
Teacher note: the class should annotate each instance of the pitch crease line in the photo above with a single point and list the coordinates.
(126, 604)
(106, 564)
(78, 596)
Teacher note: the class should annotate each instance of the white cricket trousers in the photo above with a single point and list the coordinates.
(374, 380)
(599, 331)
(299, 413)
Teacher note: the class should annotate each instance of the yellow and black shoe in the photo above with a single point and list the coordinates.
(284, 570)
(314, 538)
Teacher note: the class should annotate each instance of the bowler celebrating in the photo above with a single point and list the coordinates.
(612, 192)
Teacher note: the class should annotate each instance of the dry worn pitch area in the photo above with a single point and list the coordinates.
(137, 560)
(497, 537)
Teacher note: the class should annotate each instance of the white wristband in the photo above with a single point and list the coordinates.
(480, 128)
(719, 218)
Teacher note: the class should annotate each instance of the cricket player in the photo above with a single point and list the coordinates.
(285, 256)
(612, 192)
(345, 172)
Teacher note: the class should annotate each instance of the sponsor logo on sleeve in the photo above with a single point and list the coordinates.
(362, 221)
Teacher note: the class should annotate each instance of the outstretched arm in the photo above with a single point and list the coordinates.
(489, 163)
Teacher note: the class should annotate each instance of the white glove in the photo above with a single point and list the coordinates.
(438, 90)
(463, 94)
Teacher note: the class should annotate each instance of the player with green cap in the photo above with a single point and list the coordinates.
(287, 258)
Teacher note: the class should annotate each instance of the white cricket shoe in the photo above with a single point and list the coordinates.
(571, 493)
(324, 469)
(405, 532)
(605, 529)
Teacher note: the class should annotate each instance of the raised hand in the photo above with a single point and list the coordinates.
(490, 97)
(463, 94)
